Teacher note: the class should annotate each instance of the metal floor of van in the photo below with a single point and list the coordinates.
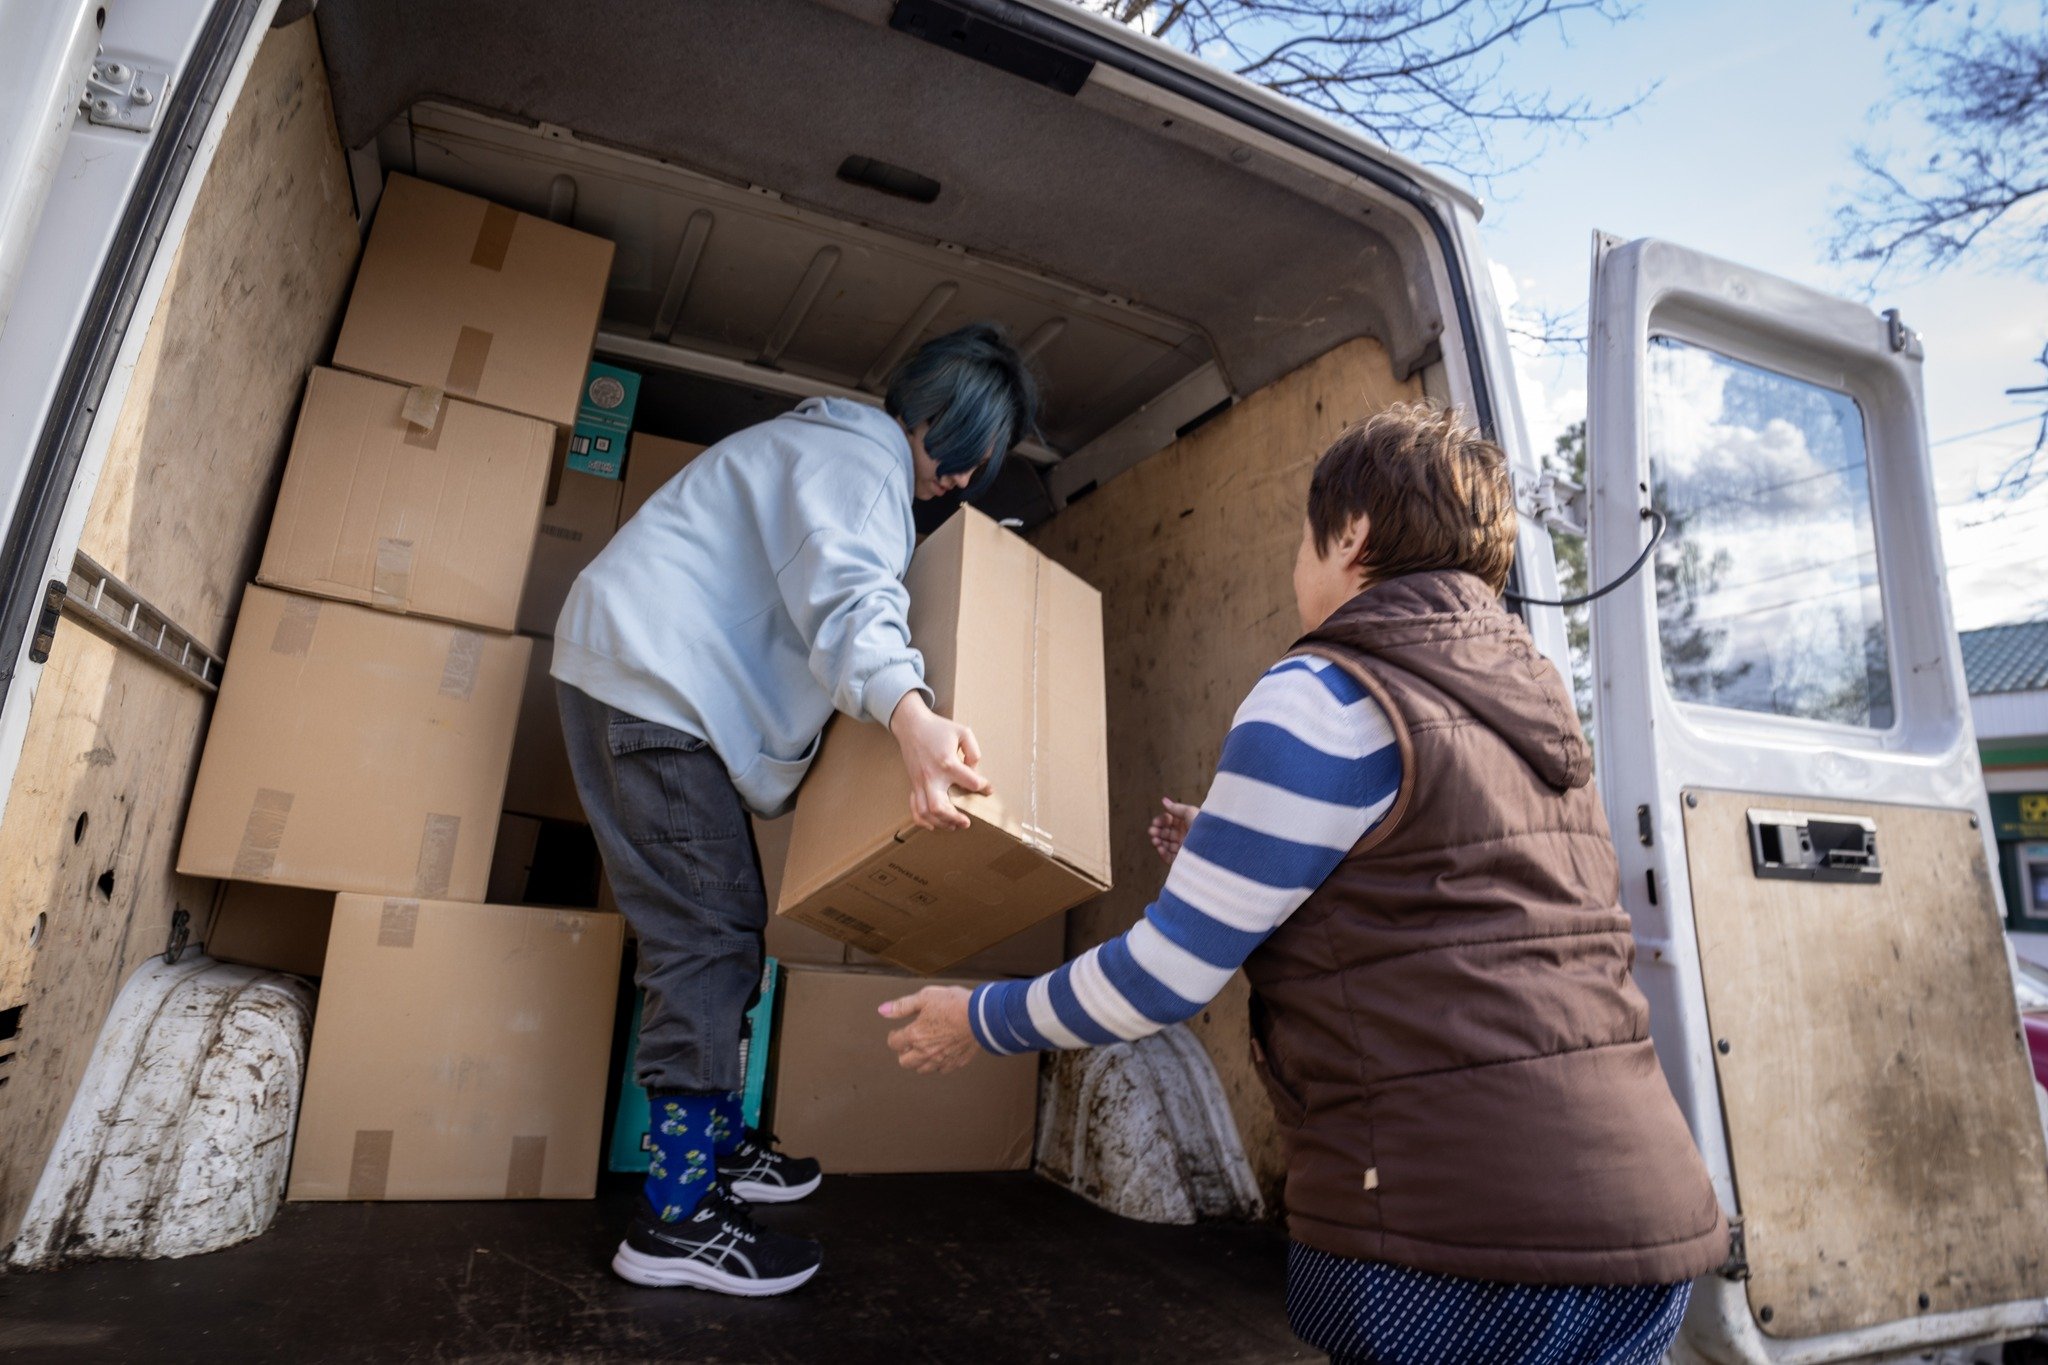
(988, 1269)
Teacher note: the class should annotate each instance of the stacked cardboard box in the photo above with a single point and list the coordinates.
(386, 757)
(353, 778)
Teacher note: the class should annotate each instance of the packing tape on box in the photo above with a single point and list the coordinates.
(1041, 701)
(369, 1163)
(262, 835)
(438, 836)
(294, 634)
(494, 237)
(523, 1171)
(398, 923)
(466, 366)
(391, 579)
(422, 412)
(458, 671)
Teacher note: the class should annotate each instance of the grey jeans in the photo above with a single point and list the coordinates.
(679, 852)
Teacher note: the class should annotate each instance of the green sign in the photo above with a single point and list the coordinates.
(2019, 815)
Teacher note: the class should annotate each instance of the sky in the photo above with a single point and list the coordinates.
(1742, 152)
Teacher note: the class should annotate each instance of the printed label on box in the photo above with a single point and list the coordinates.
(604, 419)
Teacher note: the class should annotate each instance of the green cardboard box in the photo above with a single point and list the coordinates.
(604, 421)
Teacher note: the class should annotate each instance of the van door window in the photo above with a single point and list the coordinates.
(1767, 585)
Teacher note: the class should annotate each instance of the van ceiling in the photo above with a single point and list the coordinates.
(1099, 190)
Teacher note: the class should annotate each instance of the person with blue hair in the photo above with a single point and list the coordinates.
(697, 660)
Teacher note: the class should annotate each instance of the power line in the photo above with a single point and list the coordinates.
(1983, 431)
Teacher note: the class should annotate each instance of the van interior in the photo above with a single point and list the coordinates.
(799, 192)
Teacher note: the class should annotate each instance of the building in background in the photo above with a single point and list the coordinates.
(2007, 668)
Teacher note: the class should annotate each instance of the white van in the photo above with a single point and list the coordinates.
(1212, 281)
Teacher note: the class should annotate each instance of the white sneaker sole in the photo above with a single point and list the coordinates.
(754, 1192)
(665, 1272)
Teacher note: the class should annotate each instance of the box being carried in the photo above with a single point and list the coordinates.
(353, 750)
(460, 1052)
(1012, 646)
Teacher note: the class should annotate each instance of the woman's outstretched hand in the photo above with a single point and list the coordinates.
(937, 1037)
(1170, 831)
(939, 755)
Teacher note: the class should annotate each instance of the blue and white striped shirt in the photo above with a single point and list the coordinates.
(1309, 767)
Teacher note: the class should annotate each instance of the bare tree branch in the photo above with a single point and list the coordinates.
(1425, 77)
(1982, 92)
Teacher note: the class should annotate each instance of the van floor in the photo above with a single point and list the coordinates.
(983, 1268)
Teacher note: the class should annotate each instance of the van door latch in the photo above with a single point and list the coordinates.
(1817, 848)
(120, 94)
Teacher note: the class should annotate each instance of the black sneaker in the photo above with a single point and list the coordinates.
(717, 1247)
(759, 1174)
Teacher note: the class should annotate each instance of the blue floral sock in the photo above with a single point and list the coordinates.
(681, 1158)
(728, 1122)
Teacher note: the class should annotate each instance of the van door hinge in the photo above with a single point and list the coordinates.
(1736, 1267)
(1553, 502)
(1900, 337)
(96, 598)
(120, 94)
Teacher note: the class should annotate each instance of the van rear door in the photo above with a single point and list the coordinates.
(1787, 759)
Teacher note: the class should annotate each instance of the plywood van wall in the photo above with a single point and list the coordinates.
(1194, 553)
(90, 830)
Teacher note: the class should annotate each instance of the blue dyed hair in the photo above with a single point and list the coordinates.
(974, 395)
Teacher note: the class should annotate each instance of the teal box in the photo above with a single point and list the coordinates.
(629, 1124)
(604, 419)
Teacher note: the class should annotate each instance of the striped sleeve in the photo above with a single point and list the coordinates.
(1309, 767)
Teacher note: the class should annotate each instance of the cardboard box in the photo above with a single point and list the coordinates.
(581, 513)
(540, 782)
(281, 927)
(604, 420)
(512, 859)
(354, 750)
(1012, 646)
(467, 296)
(427, 520)
(837, 1093)
(460, 1052)
(1038, 949)
(653, 462)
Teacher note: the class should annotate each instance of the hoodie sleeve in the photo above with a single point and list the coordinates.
(1310, 767)
(842, 586)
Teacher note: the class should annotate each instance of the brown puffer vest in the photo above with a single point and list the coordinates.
(1457, 1052)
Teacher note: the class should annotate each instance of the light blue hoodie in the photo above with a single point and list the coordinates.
(756, 591)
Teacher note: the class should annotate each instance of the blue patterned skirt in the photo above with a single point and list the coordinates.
(1373, 1313)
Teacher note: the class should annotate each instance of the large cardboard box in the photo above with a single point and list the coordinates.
(581, 513)
(460, 1052)
(1012, 646)
(460, 294)
(1038, 949)
(429, 520)
(540, 782)
(838, 1094)
(281, 927)
(653, 461)
(353, 750)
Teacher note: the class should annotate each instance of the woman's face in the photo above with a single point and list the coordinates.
(930, 482)
(1325, 581)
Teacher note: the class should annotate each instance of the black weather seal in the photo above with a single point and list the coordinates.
(1093, 49)
(109, 313)
(953, 26)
